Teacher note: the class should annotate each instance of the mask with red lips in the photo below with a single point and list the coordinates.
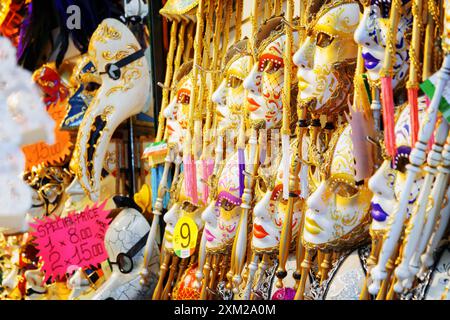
(266, 79)
(270, 210)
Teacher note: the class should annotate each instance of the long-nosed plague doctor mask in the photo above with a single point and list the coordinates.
(120, 61)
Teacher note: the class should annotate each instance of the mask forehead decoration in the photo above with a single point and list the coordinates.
(222, 215)
(123, 93)
(265, 81)
(389, 180)
(327, 57)
(372, 34)
(337, 215)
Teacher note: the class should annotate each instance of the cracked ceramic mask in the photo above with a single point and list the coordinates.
(390, 179)
(222, 215)
(85, 80)
(177, 111)
(269, 212)
(371, 35)
(230, 96)
(183, 207)
(125, 79)
(264, 84)
(326, 58)
(127, 235)
(337, 213)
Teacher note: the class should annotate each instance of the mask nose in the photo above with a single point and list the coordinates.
(252, 81)
(361, 35)
(379, 183)
(209, 215)
(168, 112)
(304, 57)
(261, 207)
(219, 95)
(317, 202)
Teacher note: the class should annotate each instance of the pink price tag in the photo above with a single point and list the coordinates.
(77, 241)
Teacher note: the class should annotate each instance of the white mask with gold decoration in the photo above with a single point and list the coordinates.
(338, 210)
(122, 94)
(326, 58)
(389, 180)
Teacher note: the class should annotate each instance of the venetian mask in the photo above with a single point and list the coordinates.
(269, 212)
(326, 58)
(183, 207)
(266, 79)
(372, 34)
(51, 84)
(230, 96)
(338, 210)
(125, 242)
(177, 112)
(122, 94)
(86, 80)
(389, 180)
(222, 215)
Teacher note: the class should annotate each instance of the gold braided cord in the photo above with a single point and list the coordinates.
(387, 70)
(205, 62)
(287, 70)
(254, 19)
(168, 79)
(214, 76)
(428, 44)
(278, 7)
(238, 24)
(197, 62)
(226, 34)
(180, 51)
(286, 231)
(189, 43)
(417, 8)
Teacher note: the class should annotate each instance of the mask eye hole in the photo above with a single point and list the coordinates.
(324, 40)
(270, 64)
(183, 98)
(234, 82)
(261, 184)
(227, 206)
(343, 189)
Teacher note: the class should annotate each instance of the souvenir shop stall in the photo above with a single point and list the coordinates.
(225, 150)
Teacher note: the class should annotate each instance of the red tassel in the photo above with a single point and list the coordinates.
(414, 114)
(388, 115)
(190, 178)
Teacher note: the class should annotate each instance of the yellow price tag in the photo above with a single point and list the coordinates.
(185, 237)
